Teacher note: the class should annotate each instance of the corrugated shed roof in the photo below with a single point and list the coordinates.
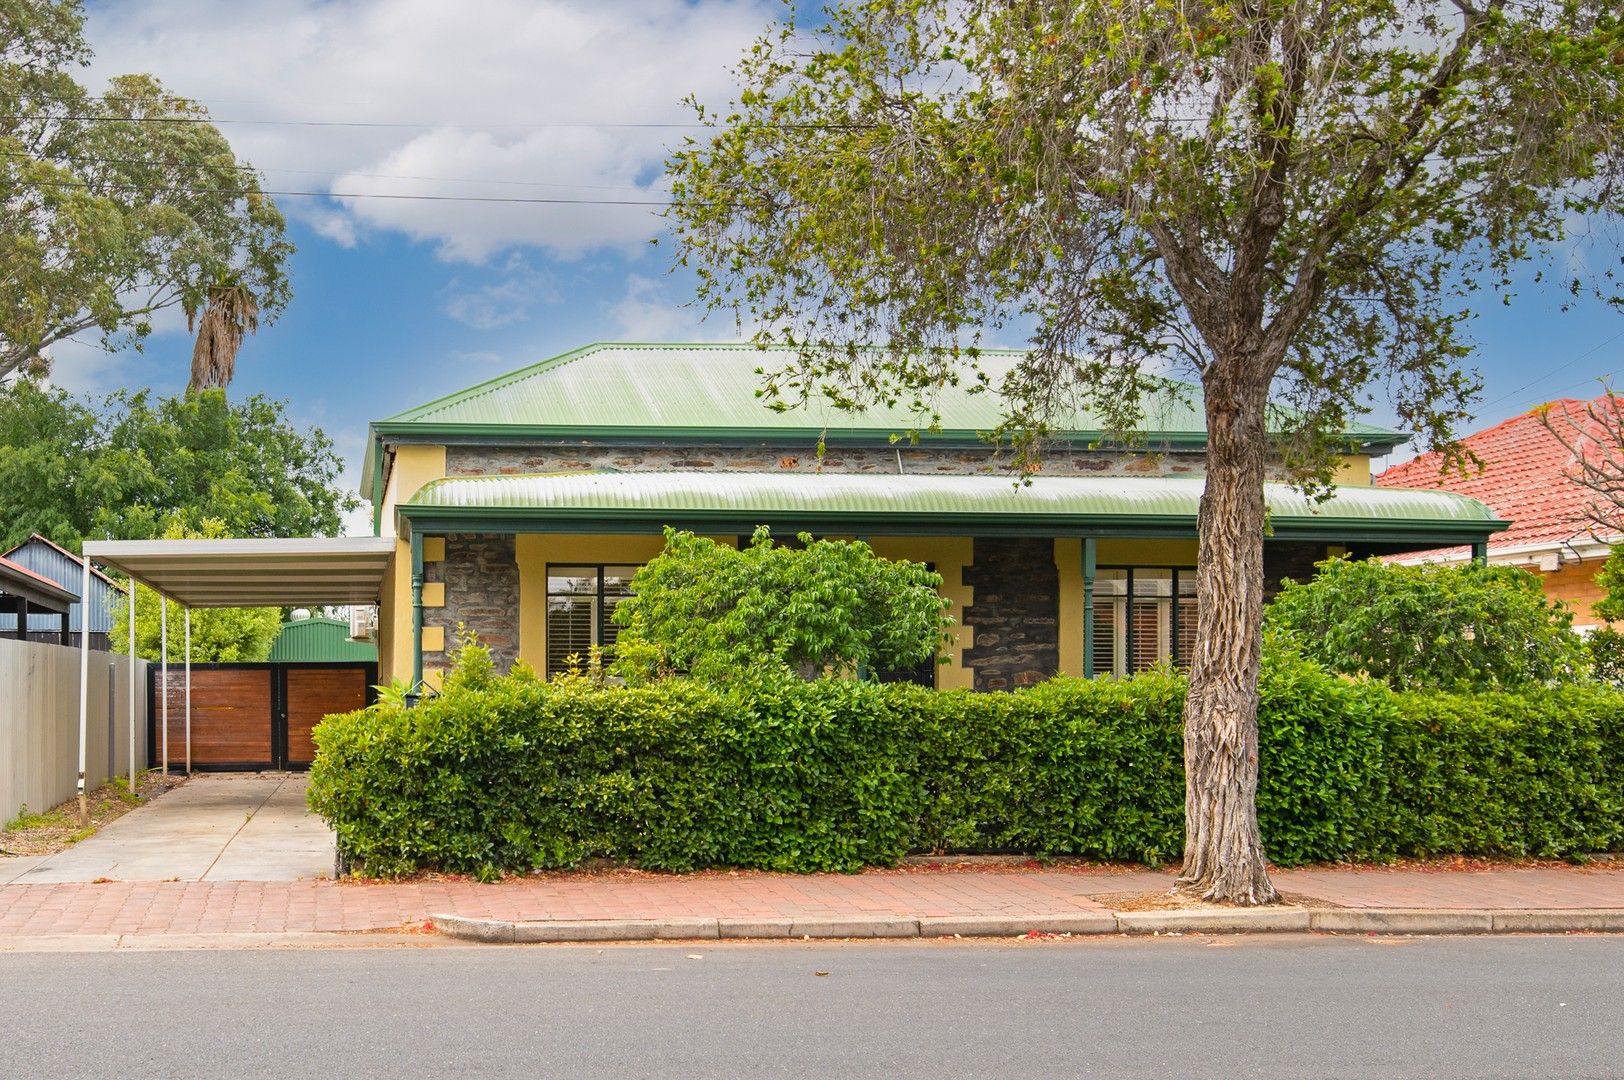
(909, 497)
(22, 578)
(319, 640)
(704, 387)
(1526, 476)
(56, 563)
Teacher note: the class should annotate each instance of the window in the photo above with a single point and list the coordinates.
(580, 611)
(1143, 616)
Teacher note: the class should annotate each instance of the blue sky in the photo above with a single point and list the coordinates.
(398, 302)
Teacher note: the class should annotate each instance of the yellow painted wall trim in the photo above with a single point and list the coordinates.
(433, 594)
(434, 549)
(433, 639)
(1068, 560)
(950, 555)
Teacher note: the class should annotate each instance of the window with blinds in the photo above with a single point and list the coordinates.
(580, 612)
(1143, 616)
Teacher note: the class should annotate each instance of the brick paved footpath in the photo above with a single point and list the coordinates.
(302, 906)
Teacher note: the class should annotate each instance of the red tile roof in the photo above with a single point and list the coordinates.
(1526, 476)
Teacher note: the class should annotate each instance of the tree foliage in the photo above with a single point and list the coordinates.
(1430, 627)
(829, 606)
(1318, 183)
(116, 205)
(1290, 199)
(126, 466)
(219, 635)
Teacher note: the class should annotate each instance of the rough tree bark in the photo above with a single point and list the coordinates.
(1223, 849)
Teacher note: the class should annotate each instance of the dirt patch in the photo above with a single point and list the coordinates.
(59, 828)
(1170, 900)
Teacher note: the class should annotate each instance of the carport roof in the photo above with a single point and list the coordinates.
(253, 573)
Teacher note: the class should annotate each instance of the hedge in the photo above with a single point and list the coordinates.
(518, 774)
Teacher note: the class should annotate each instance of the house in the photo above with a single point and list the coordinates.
(62, 567)
(1527, 479)
(522, 506)
(34, 599)
(314, 639)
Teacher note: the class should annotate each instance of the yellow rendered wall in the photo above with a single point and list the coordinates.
(410, 467)
(1068, 560)
(1141, 553)
(533, 551)
(1354, 470)
(949, 555)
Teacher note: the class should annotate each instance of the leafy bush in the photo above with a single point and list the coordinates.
(515, 774)
(712, 611)
(1606, 647)
(1466, 627)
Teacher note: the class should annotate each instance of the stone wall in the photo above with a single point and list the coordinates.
(558, 456)
(1015, 613)
(481, 591)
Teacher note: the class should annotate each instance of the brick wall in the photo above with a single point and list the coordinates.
(1575, 583)
(1015, 613)
(481, 591)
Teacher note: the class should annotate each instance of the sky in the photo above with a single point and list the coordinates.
(397, 301)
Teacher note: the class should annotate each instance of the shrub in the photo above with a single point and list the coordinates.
(515, 774)
(830, 606)
(1467, 627)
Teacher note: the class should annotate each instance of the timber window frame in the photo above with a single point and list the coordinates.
(1143, 616)
(599, 587)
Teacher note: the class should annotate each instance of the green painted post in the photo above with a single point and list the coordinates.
(1088, 606)
(417, 616)
(1480, 553)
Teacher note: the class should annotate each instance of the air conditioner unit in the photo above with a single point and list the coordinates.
(364, 623)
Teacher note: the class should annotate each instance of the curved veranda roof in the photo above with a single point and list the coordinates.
(923, 504)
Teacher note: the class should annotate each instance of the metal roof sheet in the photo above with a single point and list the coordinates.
(703, 387)
(254, 573)
(319, 640)
(907, 498)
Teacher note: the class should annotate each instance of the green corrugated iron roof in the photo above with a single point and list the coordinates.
(897, 504)
(699, 388)
(319, 640)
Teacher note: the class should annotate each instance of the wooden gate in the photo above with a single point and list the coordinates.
(249, 717)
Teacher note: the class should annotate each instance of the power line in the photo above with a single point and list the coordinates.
(653, 125)
(241, 193)
(1535, 382)
(328, 172)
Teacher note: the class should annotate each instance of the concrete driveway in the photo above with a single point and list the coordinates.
(215, 827)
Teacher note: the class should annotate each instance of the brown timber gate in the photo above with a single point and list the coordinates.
(252, 716)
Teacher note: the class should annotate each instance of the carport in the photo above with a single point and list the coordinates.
(229, 573)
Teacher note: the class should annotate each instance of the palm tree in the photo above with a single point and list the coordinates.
(230, 313)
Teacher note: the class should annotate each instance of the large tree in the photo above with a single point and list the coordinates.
(128, 466)
(1289, 199)
(116, 205)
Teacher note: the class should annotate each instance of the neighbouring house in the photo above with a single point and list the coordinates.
(65, 569)
(31, 599)
(318, 640)
(522, 506)
(1527, 479)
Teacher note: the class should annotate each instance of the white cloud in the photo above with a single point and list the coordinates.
(509, 300)
(648, 311)
(477, 86)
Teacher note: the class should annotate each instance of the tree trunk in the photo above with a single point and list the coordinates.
(1223, 849)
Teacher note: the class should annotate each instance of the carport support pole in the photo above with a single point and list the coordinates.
(188, 691)
(163, 667)
(84, 679)
(132, 686)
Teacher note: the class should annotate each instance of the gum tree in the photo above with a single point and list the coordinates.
(1287, 199)
(117, 205)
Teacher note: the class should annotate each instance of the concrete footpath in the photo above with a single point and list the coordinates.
(913, 902)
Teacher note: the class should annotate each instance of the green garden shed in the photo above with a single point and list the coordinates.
(319, 641)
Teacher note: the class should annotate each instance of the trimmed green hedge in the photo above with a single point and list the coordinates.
(517, 774)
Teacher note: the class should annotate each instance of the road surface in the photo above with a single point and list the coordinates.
(1221, 1007)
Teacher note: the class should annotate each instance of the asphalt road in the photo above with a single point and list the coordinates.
(1225, 1007)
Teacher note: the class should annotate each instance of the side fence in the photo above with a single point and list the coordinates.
(39, 723)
